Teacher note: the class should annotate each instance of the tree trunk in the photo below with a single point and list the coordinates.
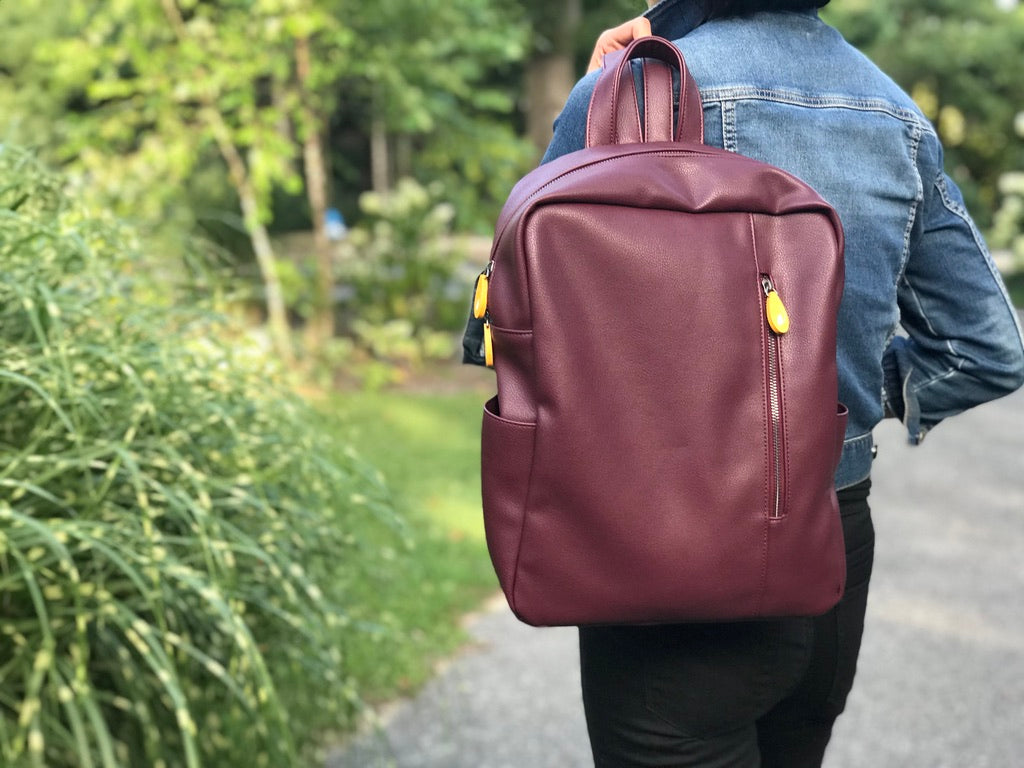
(277, 318)
(321, 326)
(379, 160)
(549, 74)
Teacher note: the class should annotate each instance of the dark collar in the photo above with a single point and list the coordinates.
(673, 19)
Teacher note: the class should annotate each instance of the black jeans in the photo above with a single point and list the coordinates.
(741, 695)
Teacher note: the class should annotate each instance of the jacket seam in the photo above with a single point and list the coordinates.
(720, 94)
(933, 380)
(915, 147)
(729, 141)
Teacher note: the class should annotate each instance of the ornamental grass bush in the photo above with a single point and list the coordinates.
(176, 530)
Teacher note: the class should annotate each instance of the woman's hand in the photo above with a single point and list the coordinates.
(618, 38)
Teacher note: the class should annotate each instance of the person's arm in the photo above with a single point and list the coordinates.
(964, 344)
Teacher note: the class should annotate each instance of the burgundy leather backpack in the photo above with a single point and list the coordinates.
(661, 316)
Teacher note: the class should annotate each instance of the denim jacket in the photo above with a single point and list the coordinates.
(787, 89)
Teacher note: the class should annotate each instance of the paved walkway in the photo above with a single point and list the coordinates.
(942, 669)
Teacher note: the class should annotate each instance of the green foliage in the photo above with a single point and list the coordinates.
(437, 56)
(30, 111)
(439, 75)
(1008, 222)
(402, 264)
(177, 537)
(477, 161)
(147, 77)
(126, 97)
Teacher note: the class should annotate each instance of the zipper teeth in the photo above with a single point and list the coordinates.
(776, 414)
(774, 399)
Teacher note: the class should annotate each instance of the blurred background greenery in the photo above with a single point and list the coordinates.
(238, 466)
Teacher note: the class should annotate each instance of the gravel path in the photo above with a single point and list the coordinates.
(941, 680)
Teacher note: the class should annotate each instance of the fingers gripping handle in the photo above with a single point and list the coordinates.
(614, 116)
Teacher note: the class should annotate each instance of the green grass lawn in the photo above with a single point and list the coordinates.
(415, 583)
(428, 448)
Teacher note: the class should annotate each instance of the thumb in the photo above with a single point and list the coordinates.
(641, 27)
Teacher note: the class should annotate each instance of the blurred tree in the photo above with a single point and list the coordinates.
(29, 112)
(153, 86)
(317, 69)
(431, 97)
(1008, 221)
(139, 98)
(550, 72)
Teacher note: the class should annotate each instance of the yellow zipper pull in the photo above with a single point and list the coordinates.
(774, 309)
(480, 294)
(488, 346)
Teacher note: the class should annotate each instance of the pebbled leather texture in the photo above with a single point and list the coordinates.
(629, 458)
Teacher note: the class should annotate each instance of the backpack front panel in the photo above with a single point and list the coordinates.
(671, 424)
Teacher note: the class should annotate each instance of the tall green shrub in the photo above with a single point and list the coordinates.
(174, 527)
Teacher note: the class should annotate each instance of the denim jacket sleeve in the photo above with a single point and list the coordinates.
(963, 345)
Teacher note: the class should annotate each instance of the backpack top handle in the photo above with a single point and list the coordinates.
(614, 114)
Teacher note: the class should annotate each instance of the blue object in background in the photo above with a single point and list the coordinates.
(334, 222)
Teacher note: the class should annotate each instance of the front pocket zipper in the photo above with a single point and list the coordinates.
(776, 326)
(481, 311)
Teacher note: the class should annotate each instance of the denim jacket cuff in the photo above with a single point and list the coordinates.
(900, 397)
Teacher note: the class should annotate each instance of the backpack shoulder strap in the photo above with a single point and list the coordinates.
(614, 114)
